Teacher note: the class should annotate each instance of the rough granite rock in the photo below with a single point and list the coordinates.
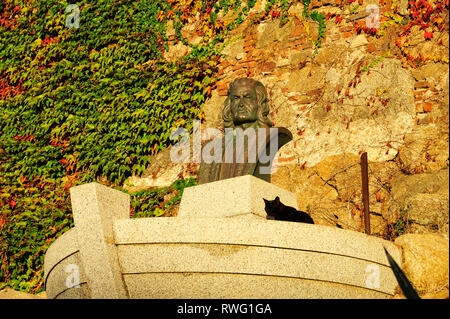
(424, 198)
(426, 262)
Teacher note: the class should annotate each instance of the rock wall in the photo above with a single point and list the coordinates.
(394, 111)
(353, 94)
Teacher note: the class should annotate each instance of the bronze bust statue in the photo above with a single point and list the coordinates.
(248, 135)
(246, 105)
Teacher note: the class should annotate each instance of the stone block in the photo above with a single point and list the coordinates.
(358, 41)
(251, 258)
(237, 286)
(95, 207)
(245, 257)
(68, 275)
(426, 258)
(232, 197)
(63, 269)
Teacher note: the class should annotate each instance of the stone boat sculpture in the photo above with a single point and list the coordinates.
(219, 246)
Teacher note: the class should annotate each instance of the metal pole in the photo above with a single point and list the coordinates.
(365, 191)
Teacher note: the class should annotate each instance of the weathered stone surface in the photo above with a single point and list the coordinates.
(424, 198)
(295, 7)
(343, 173)
(270, 32)
(331, 190)
(407, 185)
(310, 189)
(177, 51)
(358, 41)
(423, 151)
(329, 54)
(307, 79)
(232, 197)
(234, 49)
(229, 248)
(298, 57)
(428, 209)
(397, 84)
(333, 76)
(445, 101)
(426, 261)
(350, 125)
(419, 47)
(95, 207)
(430, 71)
(317, 192)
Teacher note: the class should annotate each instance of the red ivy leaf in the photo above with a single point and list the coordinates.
(378, 197)
(160, 16)
(12, 204)
(170, 14)
(428, 35)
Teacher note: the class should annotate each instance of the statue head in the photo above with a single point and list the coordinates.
(246, 105)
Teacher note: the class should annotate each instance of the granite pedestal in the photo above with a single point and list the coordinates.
(211, 251)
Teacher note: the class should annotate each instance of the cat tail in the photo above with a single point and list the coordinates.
(403, 282)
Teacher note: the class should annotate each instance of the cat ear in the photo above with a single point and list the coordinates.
(265, 200)
(277, 199)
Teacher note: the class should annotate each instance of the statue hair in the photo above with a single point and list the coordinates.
(263, 104)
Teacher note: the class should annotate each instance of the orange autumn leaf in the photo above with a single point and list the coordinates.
(12, 203)
(170, 14)
(428, 35)
(160, 16)
(378, 197)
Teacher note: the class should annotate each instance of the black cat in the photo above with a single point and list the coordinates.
(278, 211)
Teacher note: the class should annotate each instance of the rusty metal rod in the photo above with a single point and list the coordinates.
(365, 191)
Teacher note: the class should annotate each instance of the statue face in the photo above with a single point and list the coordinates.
(244, 103)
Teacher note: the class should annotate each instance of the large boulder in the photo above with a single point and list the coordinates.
(331, 191)
(424, 199)
(426, 263)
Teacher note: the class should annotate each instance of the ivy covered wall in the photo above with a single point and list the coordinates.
(80, 103)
